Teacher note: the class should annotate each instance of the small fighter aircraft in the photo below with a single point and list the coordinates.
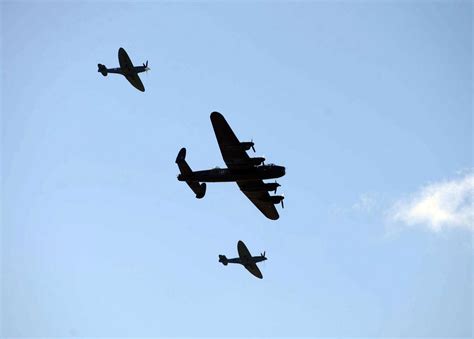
(126, 69)
(245, 259)
(247, 172)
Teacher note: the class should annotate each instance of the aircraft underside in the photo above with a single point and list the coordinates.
(228, 175)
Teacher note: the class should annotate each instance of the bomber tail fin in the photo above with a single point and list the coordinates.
(102, 69)
(198, 188)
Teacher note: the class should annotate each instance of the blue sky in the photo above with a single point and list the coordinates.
(367, 104)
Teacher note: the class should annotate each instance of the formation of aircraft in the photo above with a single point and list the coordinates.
(245, 259)
(127, 69)
(247, 172)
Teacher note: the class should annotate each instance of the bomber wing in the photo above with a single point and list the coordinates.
(234, 155)
(261, 199)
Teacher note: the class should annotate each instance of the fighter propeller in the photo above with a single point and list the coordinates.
(146, 66)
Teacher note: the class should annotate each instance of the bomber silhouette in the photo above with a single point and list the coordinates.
(247, 172)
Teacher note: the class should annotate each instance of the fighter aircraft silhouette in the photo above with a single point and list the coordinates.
(126, 69)
(245, 259)
(247, 172)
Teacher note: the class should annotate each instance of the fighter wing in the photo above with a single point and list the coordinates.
(243, 251)
(253, 268)
(261, 199)
(134, 79)
(232, 152)
(129, 71)
(244, 255)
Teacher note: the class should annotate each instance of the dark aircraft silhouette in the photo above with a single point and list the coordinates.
(126, 69)
(245, 259)
(247, 172)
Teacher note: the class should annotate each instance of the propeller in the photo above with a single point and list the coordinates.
(146, 66)
(263, 261)
(282, 204)
(252, 145)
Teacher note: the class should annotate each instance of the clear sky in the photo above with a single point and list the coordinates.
(367, 104)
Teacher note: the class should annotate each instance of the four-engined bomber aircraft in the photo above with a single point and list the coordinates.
(247, 172)
(245, 259)
(126, 69)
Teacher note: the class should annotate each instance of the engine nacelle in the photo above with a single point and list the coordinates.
(257, 161)
(267, 187)
(276, 199)
(246, 145)
(272, 186)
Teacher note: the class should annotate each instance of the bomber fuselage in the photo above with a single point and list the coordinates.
(235, 174)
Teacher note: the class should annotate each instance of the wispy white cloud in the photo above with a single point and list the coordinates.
(446, 204)
(367, 202)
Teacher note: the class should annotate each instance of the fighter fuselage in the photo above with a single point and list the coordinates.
(127, 71)
(242, 260)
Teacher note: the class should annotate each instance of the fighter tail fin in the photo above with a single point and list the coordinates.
(223, 259)
(102, 69)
